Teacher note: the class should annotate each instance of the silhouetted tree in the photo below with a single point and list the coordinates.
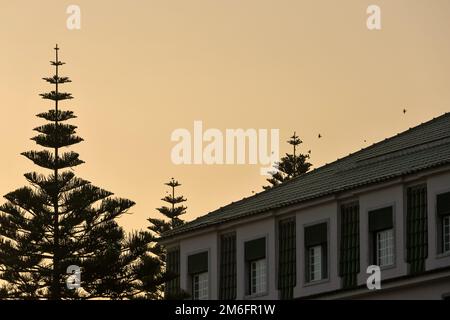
(171, 214)
(63, 220)
(171, 220)
(290, 166)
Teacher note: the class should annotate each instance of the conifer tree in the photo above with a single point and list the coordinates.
(171, 213)
(290, 166)
(158, 226)
(62, 220)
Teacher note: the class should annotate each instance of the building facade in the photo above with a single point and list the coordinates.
(315, 236)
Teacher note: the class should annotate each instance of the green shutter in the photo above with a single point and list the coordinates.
(172, 287)
(443, 204)
(416, 228)
(349, 263)
(255, 249)
(380, 219)
(227, 278)
(198, 263)
(316, 235)
(286, 258)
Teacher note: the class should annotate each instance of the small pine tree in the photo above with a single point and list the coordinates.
(63, 220)
(290, 166)
(171, 212)
(171, 220)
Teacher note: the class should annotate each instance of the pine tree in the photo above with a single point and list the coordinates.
(290, 166)
(62, 220)
(172, 212)
(158, 226)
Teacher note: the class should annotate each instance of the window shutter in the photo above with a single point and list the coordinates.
(316, 235)
(349, 245)
(173, 268)
(286, 258)
(417, 228)
(380, 219)
(443, 204)
(227, 283)
(255, 249)
(198, 263)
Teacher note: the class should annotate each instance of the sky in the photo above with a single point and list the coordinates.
(142, 69)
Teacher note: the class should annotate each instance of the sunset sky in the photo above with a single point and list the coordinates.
(142, 69)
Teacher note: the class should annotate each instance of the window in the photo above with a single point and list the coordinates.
(416, 228)
(172, 287)
(200, 286)
(227, 283)
(258, 276)
(198, 271)
(286, 258)
(316, 238)
(315, 263)
(349, 244)
(381, 228)
(385, 248)
(446, 233)
(256, 266)
(443, 218)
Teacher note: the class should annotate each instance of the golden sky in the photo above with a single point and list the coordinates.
(141, 69)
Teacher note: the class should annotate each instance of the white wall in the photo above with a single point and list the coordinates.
(247, 232)
(392, 196)
(324, 213)
(194, 245)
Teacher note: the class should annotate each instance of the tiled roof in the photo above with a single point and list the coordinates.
(422, 147)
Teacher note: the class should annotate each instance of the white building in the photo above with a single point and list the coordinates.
(315, 236)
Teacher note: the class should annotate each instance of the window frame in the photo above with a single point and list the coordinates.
(445, 250)
(376, 250)
(247, 266)
(196, 276)
(372, 239)
(312, 255)
(325, 275)
(263, 266)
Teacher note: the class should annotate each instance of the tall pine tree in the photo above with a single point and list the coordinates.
(171, 213)
(158, 226)
(290, 166)
(62, 220)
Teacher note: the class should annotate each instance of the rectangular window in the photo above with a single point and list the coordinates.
(256, 264)
(198, 271)
(315, 263)
(316, 243)
(443, 220)
(416, 228)
(227, 284)
(381, 228)
(200, 286)
(258, 276)
(385, 248)
(172, 287)
(349, 244)
(286, 258)
(446, 233)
